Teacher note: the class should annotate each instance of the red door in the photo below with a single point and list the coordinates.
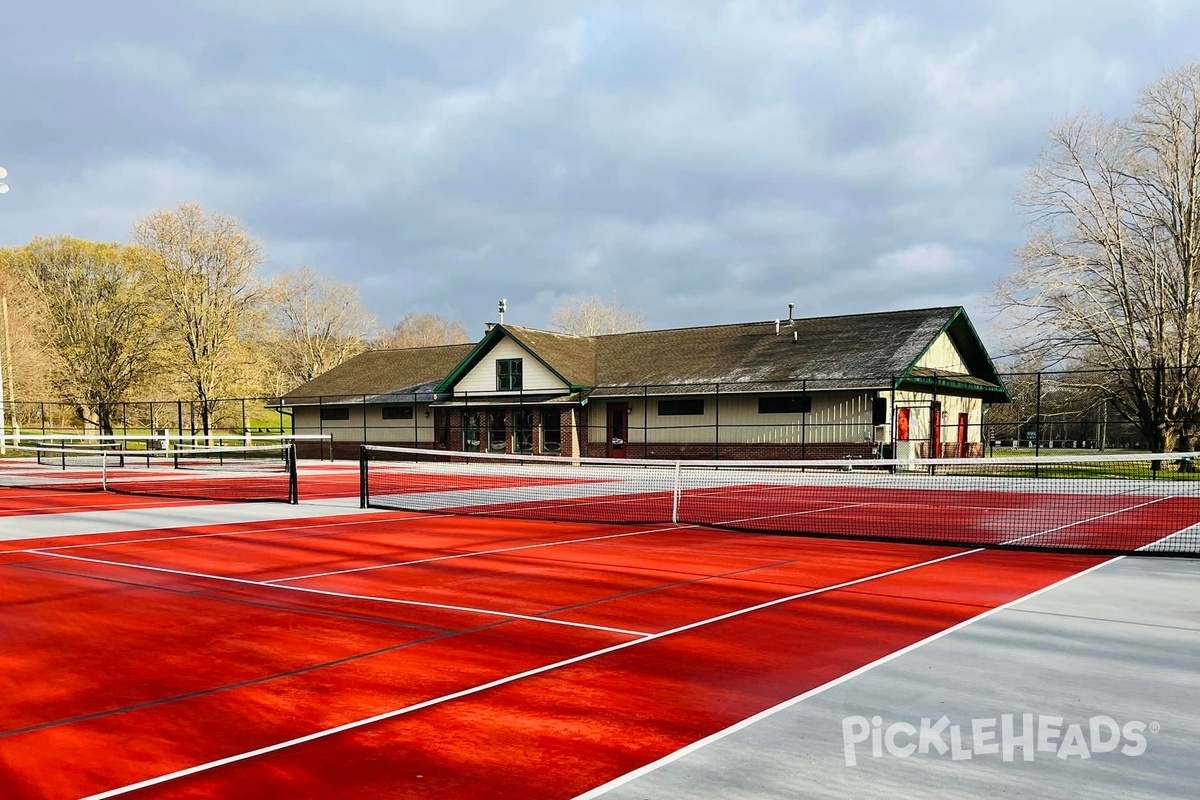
(902, 424)
(618, 429)
(935, 431)
(963, 421)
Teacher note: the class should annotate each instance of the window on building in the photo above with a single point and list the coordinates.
(335, 414)
(497, 431)
(879, 411)
(685, 407)
(522, 431)
(441, 427)
(397, 412)
(785, 404)
(471, 431)
(551, 431)
(508, 374)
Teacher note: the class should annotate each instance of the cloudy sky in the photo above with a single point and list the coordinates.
(706, 161)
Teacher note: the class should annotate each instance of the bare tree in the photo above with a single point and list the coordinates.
(422, 330)
(97, 318)
(590, 315)
(317, 322)
(203, 274)
(1110, 276)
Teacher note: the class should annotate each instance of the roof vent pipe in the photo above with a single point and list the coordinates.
(795, 336)
(776, 327)
(791, 306)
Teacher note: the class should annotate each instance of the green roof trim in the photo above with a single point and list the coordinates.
(472, 358)
(959, 316)
(951, 383)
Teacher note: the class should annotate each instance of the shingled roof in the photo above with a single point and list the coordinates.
(382, 375)
(858, 349)
(877, 350)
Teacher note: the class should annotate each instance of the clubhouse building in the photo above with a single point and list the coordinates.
(901, 384)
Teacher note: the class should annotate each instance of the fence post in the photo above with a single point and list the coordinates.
(1037, 423)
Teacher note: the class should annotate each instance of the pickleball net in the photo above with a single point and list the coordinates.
(1105, 504)
(265, 472)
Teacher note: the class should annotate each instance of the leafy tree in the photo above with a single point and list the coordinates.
(96, 317)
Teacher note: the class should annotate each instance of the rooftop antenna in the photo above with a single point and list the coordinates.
(502, 306)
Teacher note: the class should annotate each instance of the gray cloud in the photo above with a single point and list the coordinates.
(707, 161)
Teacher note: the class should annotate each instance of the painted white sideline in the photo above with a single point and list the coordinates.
(506, 680)
(800, 698)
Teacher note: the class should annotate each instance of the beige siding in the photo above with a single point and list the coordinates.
(835, 418)
(535, 376)
(943, 355)
(308, 421)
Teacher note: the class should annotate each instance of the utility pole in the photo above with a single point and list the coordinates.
(3, 430)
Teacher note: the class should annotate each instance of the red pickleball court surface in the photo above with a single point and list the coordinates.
(393, 654)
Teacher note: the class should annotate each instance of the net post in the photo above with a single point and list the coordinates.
(364, 496)
(293, 475)
(675, 493)
(103, 471)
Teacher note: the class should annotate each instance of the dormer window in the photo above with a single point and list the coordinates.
(508, 374)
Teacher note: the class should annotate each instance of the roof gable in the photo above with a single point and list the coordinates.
(569, 358)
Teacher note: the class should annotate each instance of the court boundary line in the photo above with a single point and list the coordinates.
(394, 713)
(653, 766)
(1085, 521)
(353, 519)
(344, 595)
(451, 557)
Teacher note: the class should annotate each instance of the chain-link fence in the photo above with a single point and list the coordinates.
(867, 417)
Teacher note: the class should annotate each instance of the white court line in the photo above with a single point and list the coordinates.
(506, 680)
(764, 714)
(549, 544)
(344, 521)
(345, 595)
(1190, 529)
(789, 514)
(512, 549)
(520, 506)
(1082, 521)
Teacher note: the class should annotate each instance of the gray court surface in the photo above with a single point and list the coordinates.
(1117, 646)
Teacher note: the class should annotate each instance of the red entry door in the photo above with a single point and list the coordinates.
(963, 421)
(618, 429)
